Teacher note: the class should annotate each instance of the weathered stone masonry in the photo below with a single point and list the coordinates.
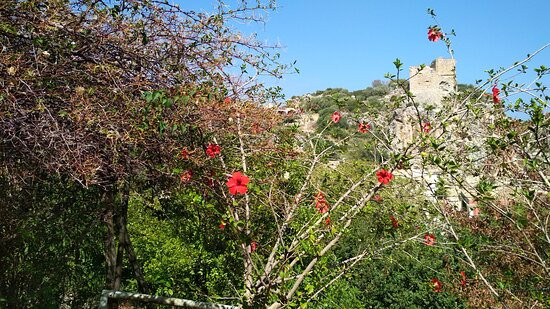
(432, 83)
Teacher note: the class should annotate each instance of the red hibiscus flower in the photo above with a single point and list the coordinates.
(429, 239)
(384, 176)
(437, 285)
(253, 246)
(394, 222)
(426, 127)
(212, 150)
(463, 280)
(184, 154)
(222, 225)
(227, 100)
(434, 34)
(327, 221)
(336, 117)
(321, 203)
(237, 183)
(496, 92)
(377, 198)
(185, 176)
(363, 127)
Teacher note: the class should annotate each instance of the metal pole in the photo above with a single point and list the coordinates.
(145, 298)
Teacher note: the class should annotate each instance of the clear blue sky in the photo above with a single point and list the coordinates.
(349, 43)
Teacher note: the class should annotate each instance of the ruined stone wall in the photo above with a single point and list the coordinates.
(429, 86)
(432, 83)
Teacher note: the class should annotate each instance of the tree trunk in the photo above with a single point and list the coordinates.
(116, 219)
(110, 248)
(121, 222)
(127, 243)
(142, 286)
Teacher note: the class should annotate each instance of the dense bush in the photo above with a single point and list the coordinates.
(51, 252)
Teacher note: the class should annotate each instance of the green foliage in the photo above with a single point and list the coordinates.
(403, 280)
(399, 277)
(359, 101)
(342, 294)
(182, 250)
(52, 253)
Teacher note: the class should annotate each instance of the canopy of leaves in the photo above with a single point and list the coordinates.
(101, 91)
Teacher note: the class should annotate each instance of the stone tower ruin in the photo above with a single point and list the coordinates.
(431, 84)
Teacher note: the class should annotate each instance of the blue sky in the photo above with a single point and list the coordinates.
(349, 43)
